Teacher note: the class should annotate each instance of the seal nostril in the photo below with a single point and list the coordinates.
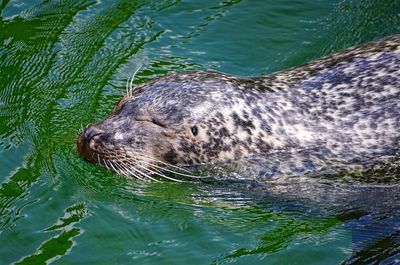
(90, 133)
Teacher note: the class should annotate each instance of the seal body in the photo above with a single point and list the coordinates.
(347, 105)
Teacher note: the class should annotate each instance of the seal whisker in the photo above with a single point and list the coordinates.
(135, 164)
(127, 171)
(112, 166)
(130, 173)
(132, 166)
(143, 174)
(166, 163)
(127, 88)
(156, 171)
(122, 171)
(81, 129)
(179, 173)
(105, 163)
(189, 175)
(161, 175)
(119, 168)
(129, 84)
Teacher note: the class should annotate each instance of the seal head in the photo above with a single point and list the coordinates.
(181, 119)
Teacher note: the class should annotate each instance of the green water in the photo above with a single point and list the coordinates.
(64, 65)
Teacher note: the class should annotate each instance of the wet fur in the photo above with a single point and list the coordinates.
(347, 105)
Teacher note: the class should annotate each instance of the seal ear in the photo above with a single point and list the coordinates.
(195, 130)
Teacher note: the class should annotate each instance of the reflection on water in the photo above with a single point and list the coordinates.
(59, 245)
(64, 64)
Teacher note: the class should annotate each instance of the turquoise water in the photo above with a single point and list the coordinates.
(64, 64)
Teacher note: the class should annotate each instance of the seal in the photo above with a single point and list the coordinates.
(346, 104)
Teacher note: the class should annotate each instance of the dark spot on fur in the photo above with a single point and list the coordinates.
(246, 125)
(171, 157)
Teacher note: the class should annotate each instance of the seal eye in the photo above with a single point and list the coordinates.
(195, 130)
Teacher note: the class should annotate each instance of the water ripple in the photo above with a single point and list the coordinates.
(64, 64)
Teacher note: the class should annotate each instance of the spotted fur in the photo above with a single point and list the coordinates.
(347, 104)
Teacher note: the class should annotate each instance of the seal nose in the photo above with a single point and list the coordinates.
(82, 143)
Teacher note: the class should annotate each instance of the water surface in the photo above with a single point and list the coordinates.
(64, 64)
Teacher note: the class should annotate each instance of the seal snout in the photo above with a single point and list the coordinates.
(86, 141)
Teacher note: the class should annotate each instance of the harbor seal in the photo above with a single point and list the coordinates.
(346, 104)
